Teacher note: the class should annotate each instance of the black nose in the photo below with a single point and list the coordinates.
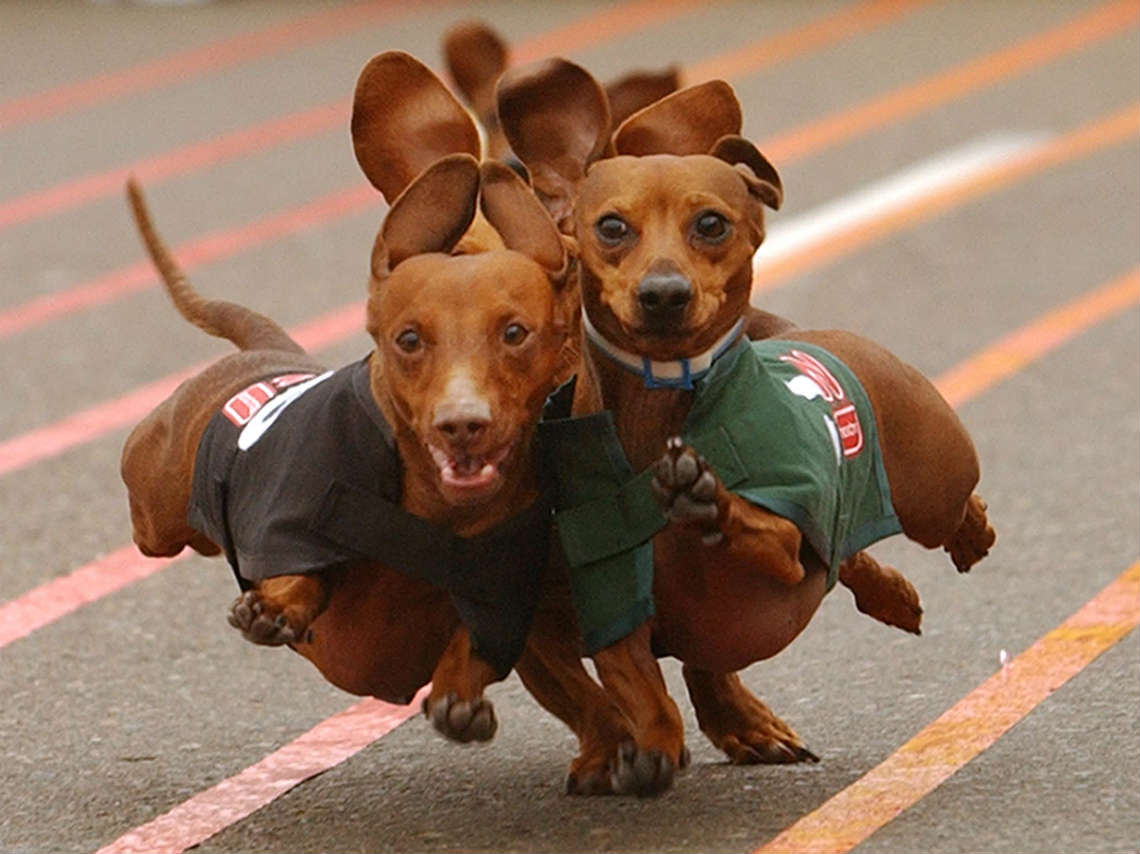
(664, 295)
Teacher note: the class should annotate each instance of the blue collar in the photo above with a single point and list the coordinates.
(676, 373)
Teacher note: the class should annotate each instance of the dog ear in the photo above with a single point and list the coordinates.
(557, 120)
(403, 120)
(475, 57)
(431, 215)
(763, 181)
(639, 89)
(520, 219)
(687, 122)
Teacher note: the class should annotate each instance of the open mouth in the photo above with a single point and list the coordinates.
(471, 475)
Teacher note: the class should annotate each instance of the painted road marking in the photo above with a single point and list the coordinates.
(969, 727)
(324, 746)
(1072, 35)
(204, 59)
(899, 192)
(945, 193)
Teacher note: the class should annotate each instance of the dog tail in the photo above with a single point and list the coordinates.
(245, 327)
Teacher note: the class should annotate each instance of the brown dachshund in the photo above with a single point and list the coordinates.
(384, 519)
(667, 214)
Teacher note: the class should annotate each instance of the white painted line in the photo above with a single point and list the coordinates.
(892, 194)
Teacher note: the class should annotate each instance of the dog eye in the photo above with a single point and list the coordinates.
(515, 334)
(612, 229)
(408, 341)
(711, 226)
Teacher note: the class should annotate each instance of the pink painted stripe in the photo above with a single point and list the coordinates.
(89, 424)
(48, 602)
(325, 746)
(199, 155)
(202, 250)
(605, 25)
(244, 47)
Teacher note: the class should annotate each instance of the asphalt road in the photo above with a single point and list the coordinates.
(235, 114)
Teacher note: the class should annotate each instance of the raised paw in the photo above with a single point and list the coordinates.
(686, 488)
(882, 592)
(632, 771)
(974, 537)
(261, 622)
(462, 720)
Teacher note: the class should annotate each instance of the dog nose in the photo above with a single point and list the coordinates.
(462, 429)
(663, 295)
(462, 414)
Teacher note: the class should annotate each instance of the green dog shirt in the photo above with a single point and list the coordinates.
(784, 424)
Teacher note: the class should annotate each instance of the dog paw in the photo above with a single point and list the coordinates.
(632, 771)
(462, 720)
(974, 537)
(766, 749)
(686, 488)
(262, 624)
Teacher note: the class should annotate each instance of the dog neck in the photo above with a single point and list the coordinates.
(674, 374)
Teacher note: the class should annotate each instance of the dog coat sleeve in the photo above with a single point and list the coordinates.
(785, 425)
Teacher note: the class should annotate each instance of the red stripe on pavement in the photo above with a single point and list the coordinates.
(202, 250)
(198, 155)
(606, 25)
(48, 602)
(321, 748)
(98, 420)
(969, 727)
(207, 58)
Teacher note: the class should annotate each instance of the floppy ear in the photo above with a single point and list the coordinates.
(475, 57)
(520, 219)
(686, 122)
(431, 215)
(639, 89)
(403, 120)
(763, 180)
(557, 121)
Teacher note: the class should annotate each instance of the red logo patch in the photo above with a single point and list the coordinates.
(842, 410)
(240, 408)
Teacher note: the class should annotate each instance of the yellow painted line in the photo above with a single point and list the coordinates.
(969, 727)
(1010, 354)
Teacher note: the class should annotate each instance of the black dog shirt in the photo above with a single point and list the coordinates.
(299, 472)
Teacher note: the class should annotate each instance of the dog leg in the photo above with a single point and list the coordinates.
(974, 537)
(279, 610)
(630, 673)
(551, 669)
(882, 592)
(740, 724)
(456, 705)
(691, 494)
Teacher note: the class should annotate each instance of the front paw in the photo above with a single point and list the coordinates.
(462, 720)
(264, 622)
(631, 771)
(687, 490)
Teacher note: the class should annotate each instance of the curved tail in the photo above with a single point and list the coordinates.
(246, 328)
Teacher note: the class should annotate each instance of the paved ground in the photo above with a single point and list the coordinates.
(123, 709)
